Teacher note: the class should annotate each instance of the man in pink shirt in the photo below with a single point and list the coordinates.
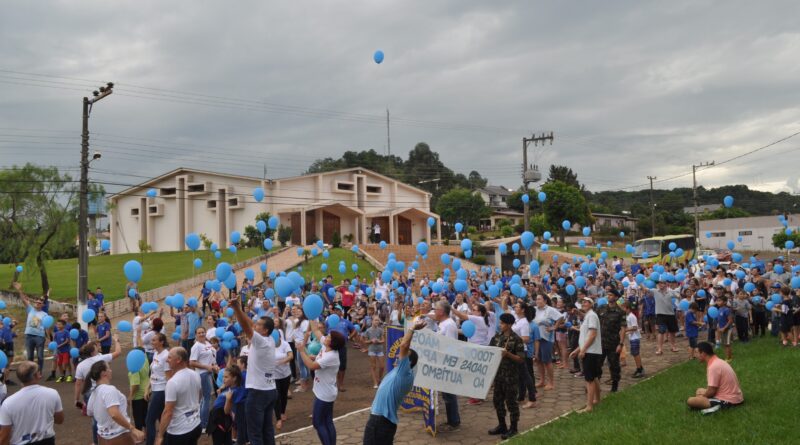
(723, 389)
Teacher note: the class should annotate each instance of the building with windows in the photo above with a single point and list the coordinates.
(354, 202)
(495, 196)
(755, 231)
(604, 221)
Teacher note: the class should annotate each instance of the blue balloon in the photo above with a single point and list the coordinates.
(586, 231)
(581, 244)
(250, 275)
(542, 196)
(105, 245)
(547, 235)
(268, 244)
(193, 241)
(566, 224)
(526, 239)
(151, 193)
(466, 244)
(684, 305)
(177, 301)
(713, 312)
(459, 227)
(235, 237)
(728, 201)
(342, 269)
(88, 315)
(731, 245)
(47, 321)
(422, 248)
(602, 301)
(445, 259)
(515, 247)
(789, 245)
(382, 244)
(135, 360)
(312, 306)
(545, 247)
(378, 56)
(354, 248)
(273, 222)
(461, 285)
(503, 249)
(332, 321)
(52, 346)
(223, 271)
(74, 352)
(261, 226)
(622, 234)
(580, 282)
(74, 334)
(672, 246)
(198, 263)
(258, 194)
(133, 271)
(323, 267)
(516, 263)
(468, 328)
(525, 198)
(456, 264)
(570, 289)
(124, 326)
(214, 247)
(232, 248)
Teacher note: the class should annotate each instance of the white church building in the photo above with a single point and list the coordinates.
(350, 201)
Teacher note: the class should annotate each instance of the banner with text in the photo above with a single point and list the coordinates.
(454, 366)
(418, 399)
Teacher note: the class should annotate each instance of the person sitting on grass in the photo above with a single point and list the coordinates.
(723, 389)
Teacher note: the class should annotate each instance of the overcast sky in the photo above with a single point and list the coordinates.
(629, 89)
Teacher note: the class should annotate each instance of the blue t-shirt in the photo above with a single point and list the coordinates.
(345, 327)
(103, 329)
(649, 305)
(62, 336)
(532, 338)
(394, 387)
(83, 338)
(635, 268)
(100, 297)
(193, 320)
(7, 335)
(724, 315)
(691, 329)
(220, 401)
(95, 305)
(33, 326)
(222, 357)
(205, 292)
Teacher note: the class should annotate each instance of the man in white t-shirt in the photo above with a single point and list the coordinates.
(590, 351)
(262, 394)
(180, 421)
(29, 414)
(448, 328)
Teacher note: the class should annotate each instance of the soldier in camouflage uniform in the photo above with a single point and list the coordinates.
(612, 332)
(506, 381)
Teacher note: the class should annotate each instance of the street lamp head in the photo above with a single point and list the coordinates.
(95, 93)
(110, 85)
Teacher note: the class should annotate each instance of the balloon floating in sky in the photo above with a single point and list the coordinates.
(151, 193)
(728, 201)
(258, 194)
(378, 56)
(542, 196)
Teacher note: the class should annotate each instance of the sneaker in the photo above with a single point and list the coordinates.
(474, 402)
(69, 379)
(374, 386)
(447, 428)
(51, 377)
(711, 410)
(498, 430)
(511, 433)
(59, 379)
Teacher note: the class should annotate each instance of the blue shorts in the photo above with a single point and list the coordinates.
(693, 342)
(545, 352)
(635, 347)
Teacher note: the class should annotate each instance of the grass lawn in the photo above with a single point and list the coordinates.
(160, 268)
(655, 411)
(312, 270)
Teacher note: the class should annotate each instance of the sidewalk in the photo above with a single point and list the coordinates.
(477, 420)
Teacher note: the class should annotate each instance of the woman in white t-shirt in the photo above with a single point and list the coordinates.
(326, 366)
(480, 318)
(109, 408)
(203, 360)
(283, 376)
(159, 372)
(300, 329)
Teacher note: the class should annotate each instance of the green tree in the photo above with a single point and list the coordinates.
(725, 213)
(476, 181)
(38, 216)
(284, 234)
(565, 202)
(564, 174)
(462, 205)
(514, 201)
(779, 239)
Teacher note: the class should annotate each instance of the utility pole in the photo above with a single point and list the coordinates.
(83, 211)
(694, 196)
(388, 136)
(530, 174)
(652, 208)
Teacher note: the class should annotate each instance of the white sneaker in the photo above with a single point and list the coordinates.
(711, 410)
(374, 386)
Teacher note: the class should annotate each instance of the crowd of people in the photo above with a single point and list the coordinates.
(228, 368)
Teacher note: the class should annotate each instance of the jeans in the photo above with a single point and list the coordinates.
(35, 342)
(379, 431)
(302, 371)
(206, 387)
(322, 418)
(259, 408)
(154, 409)
(526, 380)
(451, 406)
(241, 423)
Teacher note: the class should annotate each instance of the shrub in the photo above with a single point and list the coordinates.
(506, 231)
(336, 240)
(284, 235)
(479, 260)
